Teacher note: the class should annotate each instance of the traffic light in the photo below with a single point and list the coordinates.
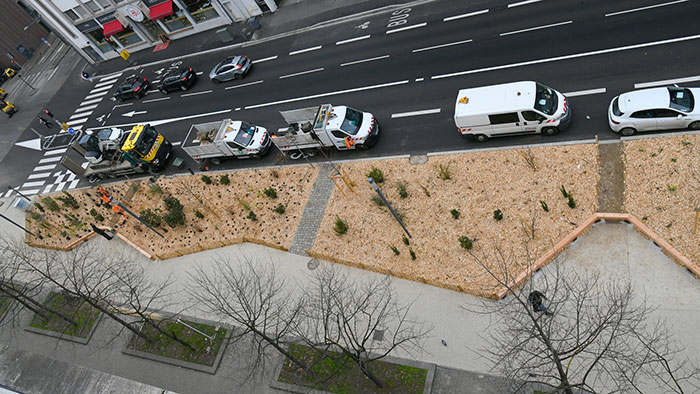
(47, 112)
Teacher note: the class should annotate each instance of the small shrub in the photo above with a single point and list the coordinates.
(466, 242)
(275, 174)
(51, 204)
(280, 208)
(544, 205)
(425, 191)
(376, 174)
(686, 143)
(393, 249)
(175, 216)
(445, 172)
(244, 205)
(401, 187)
(155, 188)
(497, 214)
(564, 192)
(252, 216)
(671, 188)
(34, 215)
(99, 217)
(93, 212)
(645, 218)
(673, 159)
(198, 214)
(455, 213)
(412, 253)
(206, 179)
(64, 234)
(150, 217)
(340, 226)
(68, 200)
(223, 179)
(571, 202)
(270, 192)
(400, 214)
(39, 207)
(405, 240)
(669, 224)
(377, 200)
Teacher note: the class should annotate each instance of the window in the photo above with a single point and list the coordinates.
(104, 3)
(201, 10)
(127, 36)
(616, 107)
(665, 113)
(545, 99)
(245, 134)
(92, 6)
(72, 15)
(530, 115)
(338, 134)
(511, 117)
(352, 122)
(645, 114)
(681, 99)
(177, 20)
(82, 12)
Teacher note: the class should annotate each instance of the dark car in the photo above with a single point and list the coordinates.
(233, 67)
(133, 87)
(178, 79)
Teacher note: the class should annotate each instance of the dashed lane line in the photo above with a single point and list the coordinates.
(518, 4)
(536, 28)
(265, 59)
(364, 60)
(301, 73)
(442, 46)
(416, 113)
(196, 93)
(452, 18)
(407, 28)
(121, 105)
(353, 39)
(645, 8)
(305, 50)
(666, 82)
(154, 100)
(243, 85)
(584, 92)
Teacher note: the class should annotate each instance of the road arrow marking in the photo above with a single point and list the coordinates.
(31, 144)
(164, 121)
(132, 113)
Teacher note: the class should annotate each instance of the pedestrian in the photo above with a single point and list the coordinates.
(44, 121)
(536, 299)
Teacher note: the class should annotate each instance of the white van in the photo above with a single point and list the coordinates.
(525, 107)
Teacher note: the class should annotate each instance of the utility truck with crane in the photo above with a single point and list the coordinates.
(324, 126)
(112, 152)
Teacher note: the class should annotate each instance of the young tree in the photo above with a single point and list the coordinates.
(348, 316)
(589, 335)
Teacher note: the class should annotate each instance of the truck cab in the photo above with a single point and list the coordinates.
(144, 144)
(348, 127)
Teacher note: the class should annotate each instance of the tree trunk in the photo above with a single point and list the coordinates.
(18, 298)
(167, 334)
(364, 367)
(279, 348)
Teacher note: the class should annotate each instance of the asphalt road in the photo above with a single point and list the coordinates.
(395, 64)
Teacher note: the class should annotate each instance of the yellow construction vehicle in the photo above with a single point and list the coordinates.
(10, 72)
(8, 108)
(3, 94)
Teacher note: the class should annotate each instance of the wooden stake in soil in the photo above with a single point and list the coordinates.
(336, 173)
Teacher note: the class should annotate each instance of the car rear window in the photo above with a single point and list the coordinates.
(681, 99)
(616, 107)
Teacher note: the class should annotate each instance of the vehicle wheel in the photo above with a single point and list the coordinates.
(238, 76)
(216, 81)
(550, 131)
(361, 146)
(216, 161)
(627, 131)
(480, 138)
(255, 156)
(695, 125)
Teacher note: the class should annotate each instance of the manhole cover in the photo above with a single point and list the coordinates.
(313, 264)
(418, 159)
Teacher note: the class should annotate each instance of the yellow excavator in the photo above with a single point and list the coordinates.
(8, 108)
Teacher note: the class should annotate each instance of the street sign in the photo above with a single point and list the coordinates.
(71, 130)
(124, 54)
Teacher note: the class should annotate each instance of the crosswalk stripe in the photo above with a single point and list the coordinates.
(49, 160)
(112, 76)
(100, 89)
(30, 192)
(79, 114)
(77, 121)
(105, 83)
(85, 108)
(88, 102)
(55, 151)
(39, 176)
(36, 183)
(43, 168)
(92, 96)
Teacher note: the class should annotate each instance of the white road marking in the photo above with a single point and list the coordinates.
(305, 50)
(30, 144)
(195, 93)
(100, 89)
(132, 113)
(49, 160)
(666, 82)
(407, 28)
(353, 39)
(518, 4)
(86, 107)
(39, 175)
(99, 85)
(645, 8)
(55, 151)
(52, 73)
(44, 168)
(121, 105)
(92, 96)
(314, 96)
(177, 143)
(79, 114)
(566, 57)
(302, 73)
(111, 76)
(536, 28)
(451, 18)
(442, 46)
(73, 183)
(88, 102)
(364, 61)
(416, 113)
(32, 184)
(164, 121)
(243, 84)
(77, 121)
(199, 72)
(584, 92)
(265, 59)
(237, 109)
(30, 192)
(420, 79)
(155, 82)
(158, 99)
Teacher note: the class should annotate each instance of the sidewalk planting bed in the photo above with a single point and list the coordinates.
(168, 347)
(219, 209)
(74, 308)
(338, 374)
(5, 303)
(487, 197)
(662, 188)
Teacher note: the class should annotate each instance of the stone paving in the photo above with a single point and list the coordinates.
(313, 212)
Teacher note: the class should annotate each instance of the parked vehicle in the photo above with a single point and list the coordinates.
(133, 87)
(233, 67)
(215, 141)
(8, 108)
(664, 108)
(525, 107)
(177, 79)
(324, 126)
(3, 94)
(10, 72)
(113, 152)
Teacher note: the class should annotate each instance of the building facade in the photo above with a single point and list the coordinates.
(20, 34)
(101, 29)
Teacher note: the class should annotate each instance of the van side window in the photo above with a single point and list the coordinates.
(530, 115)
(504, 118)
(338, 134)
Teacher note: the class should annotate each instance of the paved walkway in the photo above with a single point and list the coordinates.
(313, 212)
(611, 188)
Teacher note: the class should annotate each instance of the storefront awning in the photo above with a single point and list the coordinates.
(112, 27)
(160, 10)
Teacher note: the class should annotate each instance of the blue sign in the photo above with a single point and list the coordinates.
(71, 130)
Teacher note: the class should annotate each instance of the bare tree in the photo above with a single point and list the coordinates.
(587, 335)
(362, 320)
(253, 297)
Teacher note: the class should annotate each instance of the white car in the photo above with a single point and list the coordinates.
(664, 108)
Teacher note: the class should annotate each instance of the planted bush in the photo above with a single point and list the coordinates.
(51, 204)
(377, 200)
(175, 216)
(150, 217)
(455, 213)
(155, 188)
(544, 206)
(206, 179)
(376, 174)
(497, 214)
(571, 202)
(68, 200)
(564, 192)
(466, 242)
(270, 192)
(223, 179)
(340, 226)
(394, 249)
(401, 187)
(405, 240)
(252, 216)
(198, 214)
(280, 208)
(445, 172)
(412, 253)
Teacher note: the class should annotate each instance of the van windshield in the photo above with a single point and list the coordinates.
(545, 99)
(351, 123)
(245, 134)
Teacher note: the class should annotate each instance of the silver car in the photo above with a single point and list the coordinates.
(233, 67)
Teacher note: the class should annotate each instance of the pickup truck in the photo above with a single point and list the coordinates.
(215, 141)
